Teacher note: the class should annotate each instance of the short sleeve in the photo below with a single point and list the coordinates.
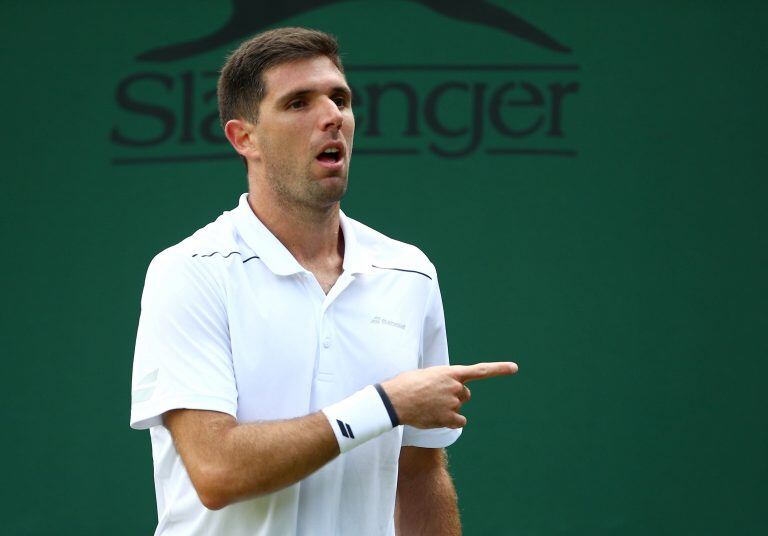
(434, 352)
(183, 356)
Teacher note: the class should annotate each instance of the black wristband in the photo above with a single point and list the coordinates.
(388, 405)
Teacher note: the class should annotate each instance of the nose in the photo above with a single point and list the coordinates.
(331, 117)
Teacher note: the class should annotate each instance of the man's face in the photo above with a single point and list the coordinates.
(304, 132)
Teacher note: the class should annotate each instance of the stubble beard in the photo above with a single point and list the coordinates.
(296, 188)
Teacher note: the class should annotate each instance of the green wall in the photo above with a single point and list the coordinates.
(604, 226)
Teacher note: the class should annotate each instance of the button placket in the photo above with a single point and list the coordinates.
(316, 297)
(326, 330)
(325, 355)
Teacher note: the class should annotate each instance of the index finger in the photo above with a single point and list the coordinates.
(480, 371)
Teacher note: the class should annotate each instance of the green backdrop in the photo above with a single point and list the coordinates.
(598, 215)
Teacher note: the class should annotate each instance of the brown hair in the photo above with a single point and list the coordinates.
(241, 84)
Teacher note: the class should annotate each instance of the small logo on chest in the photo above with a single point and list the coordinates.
(383, 321)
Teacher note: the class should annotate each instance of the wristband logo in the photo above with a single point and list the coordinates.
(446, 110)
(346, 430)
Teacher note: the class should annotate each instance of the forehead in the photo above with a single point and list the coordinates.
(318, 73)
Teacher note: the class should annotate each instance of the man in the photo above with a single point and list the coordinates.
(291, 363)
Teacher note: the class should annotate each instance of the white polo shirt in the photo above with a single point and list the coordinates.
(231, 322)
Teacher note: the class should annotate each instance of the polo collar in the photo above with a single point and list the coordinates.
(357, 259)
(276, 256)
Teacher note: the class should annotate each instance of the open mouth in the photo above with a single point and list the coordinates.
(330, 155)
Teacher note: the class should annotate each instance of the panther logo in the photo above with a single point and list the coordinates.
(249, 16)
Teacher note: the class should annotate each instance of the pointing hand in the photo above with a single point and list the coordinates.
(432, 397)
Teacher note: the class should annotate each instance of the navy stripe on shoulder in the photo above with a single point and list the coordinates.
(218, 253)
(227, 255)
(402, 270)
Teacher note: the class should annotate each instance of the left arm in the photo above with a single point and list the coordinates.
(426, 499)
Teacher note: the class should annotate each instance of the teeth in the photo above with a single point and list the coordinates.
(331, 150)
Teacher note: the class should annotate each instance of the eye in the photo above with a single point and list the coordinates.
(340, 101)
(297, 104)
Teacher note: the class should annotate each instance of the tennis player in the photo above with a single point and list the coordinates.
(291, 363)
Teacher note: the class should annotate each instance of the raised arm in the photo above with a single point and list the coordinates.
(228, 461)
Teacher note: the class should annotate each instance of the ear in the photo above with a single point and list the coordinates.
(240, 134)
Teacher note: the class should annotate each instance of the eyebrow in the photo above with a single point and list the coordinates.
(303, 92)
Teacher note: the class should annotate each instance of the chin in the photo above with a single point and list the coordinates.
(324, 192)
(334, 195)
(332, 183)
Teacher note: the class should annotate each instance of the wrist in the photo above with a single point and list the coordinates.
(391, 411)
(361, 417)
(396, 400)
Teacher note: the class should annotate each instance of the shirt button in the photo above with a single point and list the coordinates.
(327, 342)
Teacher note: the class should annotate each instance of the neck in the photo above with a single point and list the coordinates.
(311, 234)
